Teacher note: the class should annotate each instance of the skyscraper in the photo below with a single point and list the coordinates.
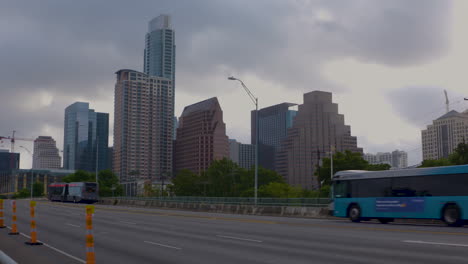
(46, 154)
(441, 138)
(9, 161)
(143, 126)
(84, 131)
(242, 154)
(160, 48)
(316, 130)
(201, 136)
(273, 122)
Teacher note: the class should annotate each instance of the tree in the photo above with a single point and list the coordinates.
(341, 161)
(279, 190)
(23, 193)
(38, 189)
(378, 167)
(108, 181)
(80, 176)
(186, 183)
(460, 155)
(435, 163)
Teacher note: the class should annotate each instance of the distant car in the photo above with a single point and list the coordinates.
(76, 192)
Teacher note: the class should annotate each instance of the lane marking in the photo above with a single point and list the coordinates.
(54, 248)
(435, 243)
(130, 223)
(4, 258)
(240, 238)
(73, 225)
(161, 245)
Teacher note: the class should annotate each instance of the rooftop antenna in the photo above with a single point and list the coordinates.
(446, 101)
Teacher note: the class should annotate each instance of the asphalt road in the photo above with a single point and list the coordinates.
(136, 235)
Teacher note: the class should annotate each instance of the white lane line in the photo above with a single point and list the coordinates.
(130, 223)
(4, 258)
(73, 225)
(240, 238)
(435, 243)
(55, 249)
(162, 245)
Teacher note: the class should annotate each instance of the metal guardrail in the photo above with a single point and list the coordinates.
(305, 202)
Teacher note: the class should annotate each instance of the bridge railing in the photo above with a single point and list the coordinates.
(305, 202)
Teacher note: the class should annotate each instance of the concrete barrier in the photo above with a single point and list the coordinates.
(294, 211)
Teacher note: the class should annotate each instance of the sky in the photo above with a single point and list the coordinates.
(387, 63)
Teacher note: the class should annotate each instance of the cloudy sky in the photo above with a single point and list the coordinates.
(386, 62)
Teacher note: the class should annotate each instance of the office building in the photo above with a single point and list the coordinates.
(46, 154)
(201, 136)
(9, 161)
(317, 130)
(242, 154)
(84, 132)
(441, 138)
(396, 159)
(274, 122)
(143, 126)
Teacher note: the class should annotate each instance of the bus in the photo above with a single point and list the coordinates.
(420, 193)
(73, 192)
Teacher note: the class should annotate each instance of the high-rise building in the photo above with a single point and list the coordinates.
(399, 159)
(242, 154)
(317, 129)
(396, 159)
(9, 161)
(201, 136)
(143, 126)
(441, 138)
(160, 48)
(273, 122)
(84, 131)
(46, 154)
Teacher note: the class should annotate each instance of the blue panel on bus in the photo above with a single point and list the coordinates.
(404, 204)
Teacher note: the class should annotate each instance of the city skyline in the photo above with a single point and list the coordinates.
(393, 80)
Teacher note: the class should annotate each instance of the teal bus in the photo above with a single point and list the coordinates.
(419, 193)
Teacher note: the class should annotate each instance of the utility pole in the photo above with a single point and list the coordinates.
(97, 157)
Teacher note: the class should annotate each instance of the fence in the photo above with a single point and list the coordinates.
(304, 202)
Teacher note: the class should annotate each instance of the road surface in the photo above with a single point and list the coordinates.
(138, 235)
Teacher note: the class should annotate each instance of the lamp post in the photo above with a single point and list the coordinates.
(32, 173)
(255, 101)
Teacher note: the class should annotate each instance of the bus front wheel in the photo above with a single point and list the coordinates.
(452, 216)
(354, 213)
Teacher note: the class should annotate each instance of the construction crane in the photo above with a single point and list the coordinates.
(13, 139)
(446, 101)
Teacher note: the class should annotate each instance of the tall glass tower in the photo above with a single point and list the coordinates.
(84, 132)
(160, 48)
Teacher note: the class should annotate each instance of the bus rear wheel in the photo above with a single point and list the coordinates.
(452, 216)
(354, 213)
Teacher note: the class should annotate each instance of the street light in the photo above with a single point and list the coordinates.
(255, 101)
(32, 175)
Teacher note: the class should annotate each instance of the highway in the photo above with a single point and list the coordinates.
(140, 235)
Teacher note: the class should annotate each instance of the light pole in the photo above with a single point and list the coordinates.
(32, 173)
(97, 157)
(255, 101)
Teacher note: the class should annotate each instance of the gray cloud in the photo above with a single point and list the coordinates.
(71, 49)
(421, 105)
